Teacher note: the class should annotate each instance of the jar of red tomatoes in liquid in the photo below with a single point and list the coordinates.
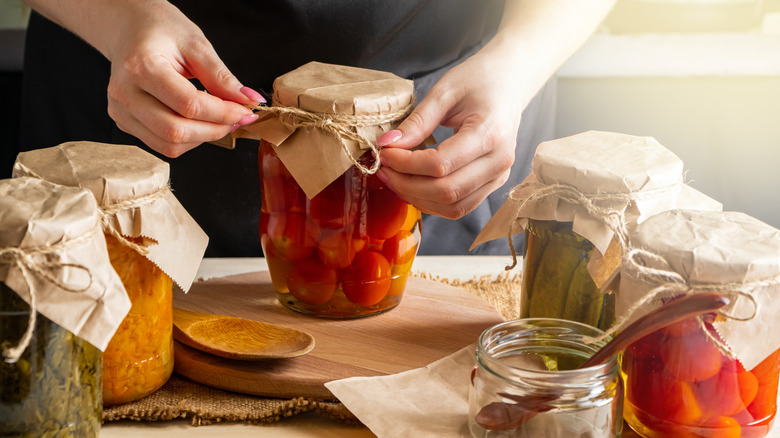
(152, 242)
(717, 375)
(585, 192)
(338, 242)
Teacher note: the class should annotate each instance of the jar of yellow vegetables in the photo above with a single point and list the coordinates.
(152, 243)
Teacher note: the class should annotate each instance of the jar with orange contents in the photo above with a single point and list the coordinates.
(152, 243)
(713, 376)
(338, 242)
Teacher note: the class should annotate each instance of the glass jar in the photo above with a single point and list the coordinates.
(679, 384)
(557, 283)
(527, 383)
(139, 358)
(54, 387)
(345, 253)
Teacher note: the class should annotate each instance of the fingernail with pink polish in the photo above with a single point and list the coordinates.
(234, 127)
(389, 137)
(252, 94)
(247, 119)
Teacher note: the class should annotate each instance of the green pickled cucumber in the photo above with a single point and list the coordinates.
(583, 300)
(608, 316)
(552, 279)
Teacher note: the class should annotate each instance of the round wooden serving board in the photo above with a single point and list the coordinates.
(433, 320)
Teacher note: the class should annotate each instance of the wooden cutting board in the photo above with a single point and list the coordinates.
(432, 321)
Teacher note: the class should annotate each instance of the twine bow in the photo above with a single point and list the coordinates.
(614, 219)
(341, 126)
(671, 284)
(24, 258)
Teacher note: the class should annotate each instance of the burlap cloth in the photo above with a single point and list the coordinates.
(181, 398)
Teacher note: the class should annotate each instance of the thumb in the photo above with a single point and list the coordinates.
(209, 69)
(416, 127)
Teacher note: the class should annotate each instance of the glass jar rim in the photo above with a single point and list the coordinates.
(515, 331)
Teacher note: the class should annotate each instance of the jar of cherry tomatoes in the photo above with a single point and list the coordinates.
(152, 242)
(716, 375)
(338, 242)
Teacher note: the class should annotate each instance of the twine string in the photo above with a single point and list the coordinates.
(671, 284)
(341, 126)
(614, 219)
(24, 258)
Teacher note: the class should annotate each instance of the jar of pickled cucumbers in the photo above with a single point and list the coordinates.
(152, 243)
(716, 375)
(60, 302)
(528, 383)
(338, 242)
(584, 195)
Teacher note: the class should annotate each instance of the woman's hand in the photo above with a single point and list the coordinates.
(452, 179)
(154, 50)
(482, 99)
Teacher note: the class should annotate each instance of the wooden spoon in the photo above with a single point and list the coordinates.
(507, 416)
(238, 338)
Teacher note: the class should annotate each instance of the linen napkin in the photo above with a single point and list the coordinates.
(425, 402)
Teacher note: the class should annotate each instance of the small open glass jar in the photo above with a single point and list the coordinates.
(527, 372)
(347, 252)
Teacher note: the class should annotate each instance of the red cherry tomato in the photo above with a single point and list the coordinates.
(720, 394)
(764, 405)
(400, 248)
(280, 191)
(336, 250)
(691, 358)
(332, 207)
(386, 213)
(289, 233)
(367, 281)
(312, 282)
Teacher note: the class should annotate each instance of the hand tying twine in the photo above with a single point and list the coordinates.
(24, 258)
(341, 126)
(671, 284)
(615, 220)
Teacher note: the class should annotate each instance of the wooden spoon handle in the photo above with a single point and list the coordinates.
(670, 313)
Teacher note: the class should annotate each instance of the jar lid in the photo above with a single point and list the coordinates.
(339, 89)
(52, 249)
(111, 172)
(607, 162)
(131, 188)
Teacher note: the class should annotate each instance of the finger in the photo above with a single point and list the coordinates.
(162, 129)
(437, 207)
(419, 125)
(205, 64)
(452, 196)
(450, 155)
(177, 93)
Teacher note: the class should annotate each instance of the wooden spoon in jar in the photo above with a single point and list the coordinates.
(238, 338)
(507, 416)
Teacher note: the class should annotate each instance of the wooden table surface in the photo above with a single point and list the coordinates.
(309, 424)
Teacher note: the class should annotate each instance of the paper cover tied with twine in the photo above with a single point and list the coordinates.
(53, 255)
(132, 191)
(325, 117)
(599, 181)
(686, 252)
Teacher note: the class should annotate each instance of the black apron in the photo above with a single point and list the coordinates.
(65, 81)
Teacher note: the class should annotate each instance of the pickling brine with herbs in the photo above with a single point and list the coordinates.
(347, 252)
(556, 280)
(53, 389)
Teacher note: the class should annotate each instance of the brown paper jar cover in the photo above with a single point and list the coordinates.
(58, 230)
(715, 248)
(316, 158)
(121, 173)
